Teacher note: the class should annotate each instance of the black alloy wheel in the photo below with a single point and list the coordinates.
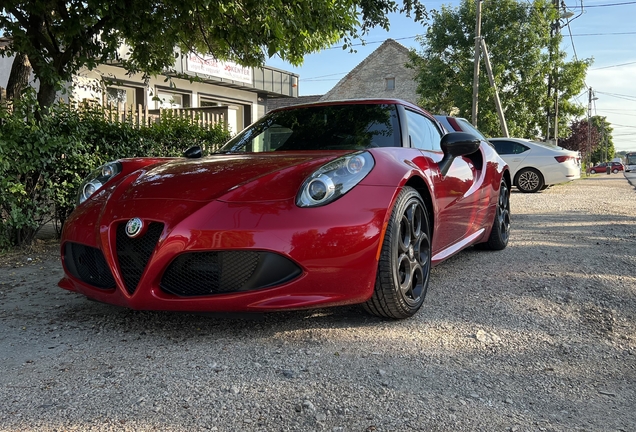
(529, 180)
(405, 260)
(500, 232)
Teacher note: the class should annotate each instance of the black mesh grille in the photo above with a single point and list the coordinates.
(88, 265)
(205, 273)
(133, 253)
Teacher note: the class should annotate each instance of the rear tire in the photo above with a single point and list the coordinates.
(615, 171)
(405, 260)
(500, 232)
(529, 180)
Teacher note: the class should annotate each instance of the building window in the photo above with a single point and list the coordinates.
(120, 95)
(129, 96)
(169, 99)
(389, 83)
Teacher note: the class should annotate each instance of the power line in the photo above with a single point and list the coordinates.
(613, 66)
(602, 5)
(604, 34)
(618, 96)
(324, 76)
(374, 42)
(572, 40)
(419, 35)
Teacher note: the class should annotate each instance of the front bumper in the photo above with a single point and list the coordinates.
(222, 256)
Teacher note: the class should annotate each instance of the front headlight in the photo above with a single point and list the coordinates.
(334, 179)
(97, 179)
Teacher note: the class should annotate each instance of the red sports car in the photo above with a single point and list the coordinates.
(314, 205)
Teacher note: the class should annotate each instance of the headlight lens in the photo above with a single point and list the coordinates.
(334, 179)
(97, 179)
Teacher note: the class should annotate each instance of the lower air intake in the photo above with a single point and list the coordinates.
(207, 273)
(88, 265)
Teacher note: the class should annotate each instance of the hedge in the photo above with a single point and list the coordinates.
(45, 157)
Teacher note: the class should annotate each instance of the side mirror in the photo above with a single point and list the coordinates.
(456, 144)
(194, 152)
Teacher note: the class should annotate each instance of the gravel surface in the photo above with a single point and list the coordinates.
(540, 336)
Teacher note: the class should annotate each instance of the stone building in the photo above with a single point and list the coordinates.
(383, 74)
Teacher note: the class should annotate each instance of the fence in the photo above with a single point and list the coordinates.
(205, 117)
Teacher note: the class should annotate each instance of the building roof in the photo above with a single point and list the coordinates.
(387, 44)
(273, 103)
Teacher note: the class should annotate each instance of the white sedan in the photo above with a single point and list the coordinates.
(536, 165)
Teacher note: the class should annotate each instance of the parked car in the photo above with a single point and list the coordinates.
(537, 165)
(615, 167)
(534, 166)
(313, 205)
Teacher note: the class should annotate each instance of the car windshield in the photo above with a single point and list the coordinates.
(332, 127)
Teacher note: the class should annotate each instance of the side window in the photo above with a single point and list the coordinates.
(503, 147)
(509, 147)
(423, 133)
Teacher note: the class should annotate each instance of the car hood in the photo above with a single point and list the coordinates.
(253, 177)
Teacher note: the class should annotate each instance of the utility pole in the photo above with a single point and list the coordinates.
(589, 129)
(476, 65)
(491, 77)
(556, 110)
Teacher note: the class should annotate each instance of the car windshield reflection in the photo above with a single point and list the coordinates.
(336, 127)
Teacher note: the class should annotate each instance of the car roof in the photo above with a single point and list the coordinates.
(535, 144)
(444, 120)
(371, 101)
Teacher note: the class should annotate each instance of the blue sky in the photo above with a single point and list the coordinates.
(605, 31)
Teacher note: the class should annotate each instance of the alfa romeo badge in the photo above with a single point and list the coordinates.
(134, 227)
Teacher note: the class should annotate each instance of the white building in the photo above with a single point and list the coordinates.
(240, 93)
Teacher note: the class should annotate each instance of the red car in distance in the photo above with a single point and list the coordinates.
(615, 167)
(313, 205)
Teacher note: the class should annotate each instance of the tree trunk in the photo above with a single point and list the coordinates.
(46, 97)
(19, 77)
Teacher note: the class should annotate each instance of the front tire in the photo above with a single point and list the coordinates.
(592, 171)
(405, 260)
(529, 180)
(615, 171)
(500, 232)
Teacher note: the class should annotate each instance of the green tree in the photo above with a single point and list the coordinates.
(525, 59)
(61, 37)
(604, 151)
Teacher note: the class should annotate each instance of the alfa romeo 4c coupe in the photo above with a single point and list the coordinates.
(325, 204)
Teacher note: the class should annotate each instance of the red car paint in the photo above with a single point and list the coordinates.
(238, 202)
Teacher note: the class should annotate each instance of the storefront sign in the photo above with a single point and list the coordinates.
(208, 65)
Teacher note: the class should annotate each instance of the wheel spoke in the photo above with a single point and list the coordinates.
(414, 216)
(503, 212)
(405, 235)
(417, 256)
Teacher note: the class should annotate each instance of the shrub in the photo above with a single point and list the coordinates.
(43, 162)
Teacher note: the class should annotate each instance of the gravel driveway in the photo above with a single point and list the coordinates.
(540, 336)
